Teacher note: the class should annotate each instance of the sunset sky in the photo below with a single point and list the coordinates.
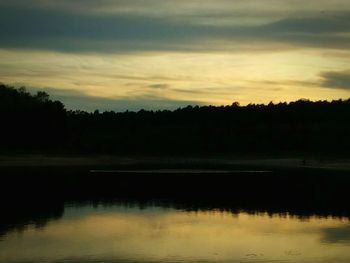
(164, 54)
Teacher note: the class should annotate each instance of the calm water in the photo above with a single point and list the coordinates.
(117, 233)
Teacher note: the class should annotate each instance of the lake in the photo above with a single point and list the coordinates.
(182, 214)
(133, 232)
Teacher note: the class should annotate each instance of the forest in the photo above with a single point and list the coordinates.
(34, 123)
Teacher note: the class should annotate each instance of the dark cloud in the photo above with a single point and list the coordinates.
(286, 82)
(338, 80)
(159, 86)
(33, 28)
(336, 234)
(36, 28)
(75, 100)
(315, 25)
(317, 32)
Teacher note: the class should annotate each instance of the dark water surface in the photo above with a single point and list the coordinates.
(116, 232)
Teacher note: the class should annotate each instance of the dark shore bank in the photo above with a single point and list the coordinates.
(287, 184)
(93, 162)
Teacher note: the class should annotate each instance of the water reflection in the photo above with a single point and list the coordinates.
(119, 233)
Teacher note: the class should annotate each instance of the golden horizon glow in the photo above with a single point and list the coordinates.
(216, 79)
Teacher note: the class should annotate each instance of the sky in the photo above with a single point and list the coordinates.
(164, 54)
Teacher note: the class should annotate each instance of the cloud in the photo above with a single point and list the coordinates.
(67, 30)
(166, 7)
(286, 82)
(334, 79)
(159, 86)
(336, 234)
(315, 25)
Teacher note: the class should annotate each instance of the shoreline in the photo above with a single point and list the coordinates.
(172, 163)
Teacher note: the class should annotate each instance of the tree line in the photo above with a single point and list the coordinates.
(35, 123)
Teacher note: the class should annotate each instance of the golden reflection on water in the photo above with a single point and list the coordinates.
(154, 234)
